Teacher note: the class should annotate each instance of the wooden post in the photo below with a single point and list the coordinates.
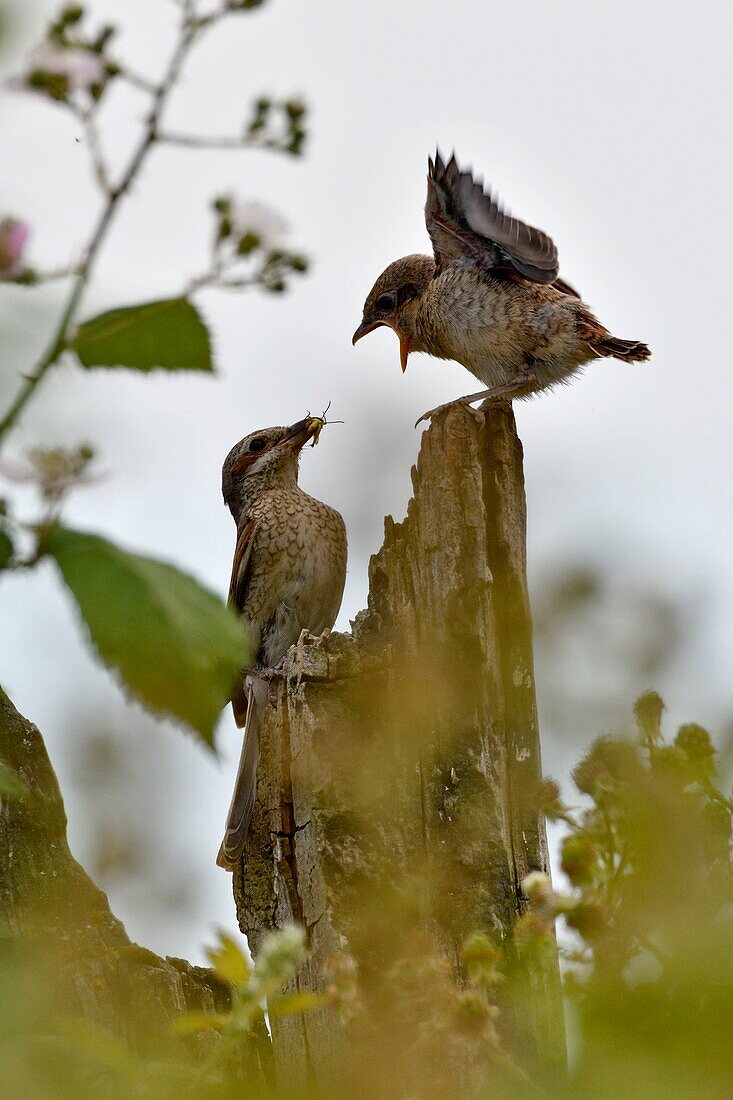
(395, 760)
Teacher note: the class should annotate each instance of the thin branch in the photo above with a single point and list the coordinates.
(214, 280)
(188, 31)
(717, 796)
(56, 273)
(202, 21)
(203, 141)
(99, 164)
(194, 141)
(135, 80)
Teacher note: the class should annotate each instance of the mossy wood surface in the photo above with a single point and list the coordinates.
(62, 946)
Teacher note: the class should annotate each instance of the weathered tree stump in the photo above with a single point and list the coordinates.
(63, 952)
(396, 760)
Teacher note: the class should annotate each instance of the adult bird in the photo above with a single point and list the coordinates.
(288, 576)
(489, 297)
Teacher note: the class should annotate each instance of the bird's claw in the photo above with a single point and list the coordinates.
(496, 393)
(464, 401)
(269, 674)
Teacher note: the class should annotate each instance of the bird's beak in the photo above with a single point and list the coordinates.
(299, 434)
(405, 345)
(365, 328)
(405, 341)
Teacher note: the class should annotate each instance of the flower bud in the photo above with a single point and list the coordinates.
(578, 859)
(13, 238)
(648, 711)
(537, 887)
(281, 954)
(479, 957)
(694, 741)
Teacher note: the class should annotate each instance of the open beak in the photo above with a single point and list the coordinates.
(405, 341)
(299, 434)
(405, 345)
(365, 328)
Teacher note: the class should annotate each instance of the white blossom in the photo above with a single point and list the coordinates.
(250, 216)
(82, 68)
(537, 887)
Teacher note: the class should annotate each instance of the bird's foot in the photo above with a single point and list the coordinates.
(464, 401)
(495, 394)
(269, 674)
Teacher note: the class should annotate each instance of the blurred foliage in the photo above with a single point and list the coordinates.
(650, 982)
(277, 124)
(647, 944)
(46, 1051)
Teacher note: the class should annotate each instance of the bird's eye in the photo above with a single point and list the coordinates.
(385, 303)
(258, 445)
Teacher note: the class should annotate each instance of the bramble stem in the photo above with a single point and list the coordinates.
(189, 29)
(203, 141)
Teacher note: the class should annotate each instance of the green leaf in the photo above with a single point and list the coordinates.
(95, 1042)
(228, 960)
(175, 645)
(304, 1001)
(6, 548)
(167, 335)
(200, 1021)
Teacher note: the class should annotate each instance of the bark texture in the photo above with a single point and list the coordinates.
(60, 943)
(397, 761)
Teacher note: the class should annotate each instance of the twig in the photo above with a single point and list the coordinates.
(135, 80)
(717, 796)
(57, 273)
(203, 141)
(99, 164)
(188, 31)
(215, 280)
(194, 141)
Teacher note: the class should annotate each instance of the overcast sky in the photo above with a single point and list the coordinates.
(605, 123)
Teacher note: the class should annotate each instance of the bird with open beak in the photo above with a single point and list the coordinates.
(288, 576)
(489, 297)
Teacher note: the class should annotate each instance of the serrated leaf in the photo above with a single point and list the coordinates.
(165, 335)
(6, 548)
(200, 1021)
(228, 961)
(304, 1001)
(175, 645)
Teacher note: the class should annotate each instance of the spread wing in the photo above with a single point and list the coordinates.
(465, 222)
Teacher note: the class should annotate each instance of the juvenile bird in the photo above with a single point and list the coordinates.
(489, 297)
(288, 575)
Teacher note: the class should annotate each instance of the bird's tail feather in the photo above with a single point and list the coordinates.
(245, 787)
(630, 351)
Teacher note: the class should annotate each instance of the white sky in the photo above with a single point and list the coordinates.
(605, 123)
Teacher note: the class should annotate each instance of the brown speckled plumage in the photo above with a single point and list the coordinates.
(288, 576)
(490, 297)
